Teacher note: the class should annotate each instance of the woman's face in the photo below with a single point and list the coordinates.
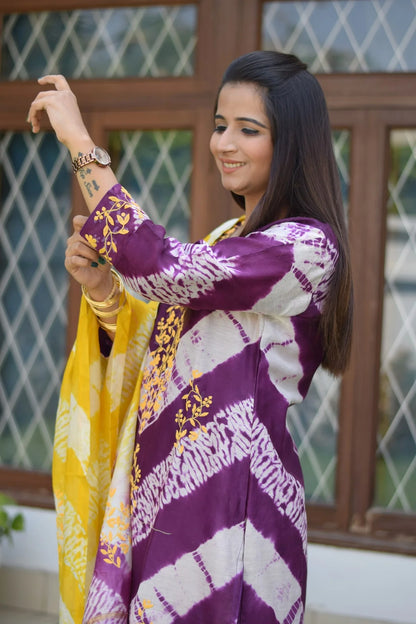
(242, 143)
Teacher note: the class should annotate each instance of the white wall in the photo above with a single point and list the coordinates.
(345, 582)
(362, 584)
(35, 548)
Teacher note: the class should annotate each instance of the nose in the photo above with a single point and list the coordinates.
(226, 141)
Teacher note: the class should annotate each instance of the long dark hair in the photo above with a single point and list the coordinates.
(304, 180)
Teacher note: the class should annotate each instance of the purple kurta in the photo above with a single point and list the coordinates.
(218, 518)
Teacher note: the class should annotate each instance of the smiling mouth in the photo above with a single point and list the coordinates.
(231, 166)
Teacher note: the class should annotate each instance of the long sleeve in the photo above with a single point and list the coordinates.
(277, 271)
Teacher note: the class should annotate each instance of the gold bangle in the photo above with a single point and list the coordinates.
(109, 313)
(110, 327)
(111, 299)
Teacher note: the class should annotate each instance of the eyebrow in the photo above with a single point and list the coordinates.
(250, 119)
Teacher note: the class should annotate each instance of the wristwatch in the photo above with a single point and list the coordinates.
(97, 154)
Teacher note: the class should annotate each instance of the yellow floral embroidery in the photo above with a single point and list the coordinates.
(136, 473)
(91, 240)
(119, 521)
(159, 371)
(194, 406)
(156, 378)
(146, 604)
(116, 218)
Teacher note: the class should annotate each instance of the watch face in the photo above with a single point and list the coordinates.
(101, 156)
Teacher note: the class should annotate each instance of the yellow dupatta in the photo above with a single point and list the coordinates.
(96, 395)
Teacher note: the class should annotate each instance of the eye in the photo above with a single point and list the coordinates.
(249, 131)
(219, 129)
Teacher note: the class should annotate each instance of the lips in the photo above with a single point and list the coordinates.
(231, 166)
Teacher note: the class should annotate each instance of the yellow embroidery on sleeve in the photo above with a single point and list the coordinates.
(115, 217)
(91, 241)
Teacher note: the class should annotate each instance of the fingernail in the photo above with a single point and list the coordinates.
(101, 260)
(94, 264)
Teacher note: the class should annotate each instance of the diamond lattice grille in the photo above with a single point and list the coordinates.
(34, 192)
(314, 423)
(349, 36)
(156, 168)
(109, 43)
(396, 452)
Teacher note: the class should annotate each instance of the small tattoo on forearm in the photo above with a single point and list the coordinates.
(84, 172)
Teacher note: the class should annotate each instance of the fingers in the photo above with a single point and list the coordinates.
(78, 247)
(41, 101)
(60, 83)
(61, 107)
(78, 222)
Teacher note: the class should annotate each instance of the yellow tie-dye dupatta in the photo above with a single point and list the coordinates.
(96, 422)
(98, 401)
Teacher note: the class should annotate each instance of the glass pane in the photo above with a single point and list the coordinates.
(34, 207)
(155, 166)
(348, 36)
(396, 452)
(100, 43)
(314, 423)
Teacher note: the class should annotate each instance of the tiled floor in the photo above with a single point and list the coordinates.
(17, 616)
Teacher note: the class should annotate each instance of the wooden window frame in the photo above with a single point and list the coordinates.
(368, 105)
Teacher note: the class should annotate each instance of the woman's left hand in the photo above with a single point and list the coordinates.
(85, 265)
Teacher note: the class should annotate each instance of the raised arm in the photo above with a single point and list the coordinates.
(60, 104)
(277, 271)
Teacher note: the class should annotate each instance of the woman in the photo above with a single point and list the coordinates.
(217, 515)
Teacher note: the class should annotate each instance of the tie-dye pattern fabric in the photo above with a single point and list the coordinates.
(216, 524)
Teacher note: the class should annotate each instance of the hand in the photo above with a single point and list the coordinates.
(78, 258)
(64, 115)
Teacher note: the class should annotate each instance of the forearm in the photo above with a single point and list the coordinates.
(94, 180)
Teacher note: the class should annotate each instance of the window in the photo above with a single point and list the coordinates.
(146, 78)
(356, 441)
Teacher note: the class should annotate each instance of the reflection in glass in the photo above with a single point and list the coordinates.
(344, 36)
(314, 423)
(100, 43)
(34, 209)
(396, 452)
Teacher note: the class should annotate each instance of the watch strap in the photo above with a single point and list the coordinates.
(97, 154)
(83, 160)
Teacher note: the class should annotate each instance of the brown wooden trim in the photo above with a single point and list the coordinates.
(322, 517)
(369, 288)
(27, 6)
(30, 488)
(398, 544)
(388, 532)
(353, 121)
(106, 94)
(386, 522)
(250, 26)
(369, 91)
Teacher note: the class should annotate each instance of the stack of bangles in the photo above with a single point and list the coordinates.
(101, 308)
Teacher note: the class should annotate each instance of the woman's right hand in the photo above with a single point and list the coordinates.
(85, 265)
(60, 104)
